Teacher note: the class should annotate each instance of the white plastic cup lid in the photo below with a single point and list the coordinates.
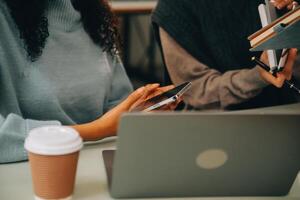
(53, 140)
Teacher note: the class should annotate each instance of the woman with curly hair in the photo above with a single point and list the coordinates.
(59, 66)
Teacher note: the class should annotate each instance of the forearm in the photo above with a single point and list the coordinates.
(95, 130)
(213, 89)
(107, 125)
(237, 86)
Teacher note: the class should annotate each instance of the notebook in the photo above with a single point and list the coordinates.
(282, 33)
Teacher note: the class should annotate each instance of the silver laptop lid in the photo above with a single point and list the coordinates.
(195, 154)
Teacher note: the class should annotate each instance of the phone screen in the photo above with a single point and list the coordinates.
(164, 98)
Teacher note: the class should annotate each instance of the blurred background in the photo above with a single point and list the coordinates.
(140, 52)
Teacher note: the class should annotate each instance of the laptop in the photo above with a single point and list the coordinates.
(204, 154)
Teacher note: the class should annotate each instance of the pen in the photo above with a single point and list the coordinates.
(267, 68)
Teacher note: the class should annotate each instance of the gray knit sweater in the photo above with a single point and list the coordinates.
(73, 81)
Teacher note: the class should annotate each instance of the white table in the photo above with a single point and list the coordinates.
(15, 179)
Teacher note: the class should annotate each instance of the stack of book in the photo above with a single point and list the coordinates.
(282, 33)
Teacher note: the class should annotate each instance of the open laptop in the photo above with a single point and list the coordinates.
(197, 154)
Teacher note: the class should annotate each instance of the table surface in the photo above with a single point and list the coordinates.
(133, 7)
(91, 184)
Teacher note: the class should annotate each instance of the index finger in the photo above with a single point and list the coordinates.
(166, 88)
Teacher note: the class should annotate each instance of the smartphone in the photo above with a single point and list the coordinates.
(163, 99)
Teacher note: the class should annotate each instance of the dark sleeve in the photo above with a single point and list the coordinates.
(180, 20)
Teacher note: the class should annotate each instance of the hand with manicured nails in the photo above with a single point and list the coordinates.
(158, 91)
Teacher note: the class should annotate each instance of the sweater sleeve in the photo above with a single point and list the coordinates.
(13, 131)
(13, 127)
(210, 89)
(121, 86)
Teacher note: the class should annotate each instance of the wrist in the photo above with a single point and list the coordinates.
(104, 127)
(95, 130)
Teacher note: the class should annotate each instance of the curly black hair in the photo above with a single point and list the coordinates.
(97, 18)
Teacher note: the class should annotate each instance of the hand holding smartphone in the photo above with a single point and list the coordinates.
(163, 99)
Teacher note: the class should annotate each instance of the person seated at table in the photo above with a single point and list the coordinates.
(59, 65)
(206, 42)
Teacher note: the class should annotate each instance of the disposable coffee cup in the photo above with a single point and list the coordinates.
(53, 155)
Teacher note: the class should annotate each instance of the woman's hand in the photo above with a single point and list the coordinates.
(107, 125)
(170, 106)
(141, 103)
(111, 119)
(150, 94)
(280, 4)
(286, 74)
